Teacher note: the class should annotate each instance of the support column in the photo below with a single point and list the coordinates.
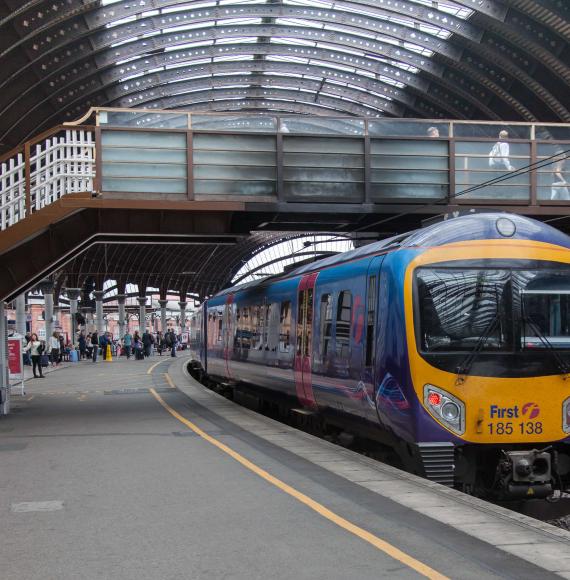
(46, 289)
(4, 384)
(73, 295)
(121, 300)
(142, 314)
(163, 304)
(182, 316)
(98, 295)
(87, 312)
(21, 314)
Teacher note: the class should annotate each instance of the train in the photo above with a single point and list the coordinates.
(448, 346)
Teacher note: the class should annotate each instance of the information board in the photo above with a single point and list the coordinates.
(15, 359)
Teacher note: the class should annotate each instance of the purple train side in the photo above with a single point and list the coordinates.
(419, 344)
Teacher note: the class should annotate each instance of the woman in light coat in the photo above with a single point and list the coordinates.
(53, 348)
(35, 347)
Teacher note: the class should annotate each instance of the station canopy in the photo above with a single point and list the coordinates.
(455, 59)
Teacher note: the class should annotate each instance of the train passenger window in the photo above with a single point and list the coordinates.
(272, 326)
(245, 331)
(343, 320)
(285, 327)
(326, 323)
(371, 320)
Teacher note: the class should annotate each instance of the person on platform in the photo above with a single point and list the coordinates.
(127, 344)
(61, 348)
(35, 347)
(147, 342)
(433, 132)
(82, 345)
(53, 347)
(95, 345)
(159, 343)
(170, 341)
(103, 344)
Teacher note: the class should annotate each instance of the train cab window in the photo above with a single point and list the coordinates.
(326, 315)
(371, 320)
(343, 320)
(285, 327)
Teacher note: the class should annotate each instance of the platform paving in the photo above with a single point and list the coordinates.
(98, 480)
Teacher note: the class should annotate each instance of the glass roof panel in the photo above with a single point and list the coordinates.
(367, 24)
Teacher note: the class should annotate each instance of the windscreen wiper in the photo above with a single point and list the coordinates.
(562, 365)
(464, 368)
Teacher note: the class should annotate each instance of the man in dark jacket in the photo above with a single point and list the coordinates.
(170, 341)
(147, 342)
(103, 345)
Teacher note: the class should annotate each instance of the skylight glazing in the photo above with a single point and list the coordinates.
(348, 36)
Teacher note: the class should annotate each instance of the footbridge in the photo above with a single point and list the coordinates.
(169, 179)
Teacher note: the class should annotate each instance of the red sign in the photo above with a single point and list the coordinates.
(15, 362)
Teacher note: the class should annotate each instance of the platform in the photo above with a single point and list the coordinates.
(109, 471)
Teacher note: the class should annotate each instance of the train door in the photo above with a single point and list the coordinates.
(304, 347)
(370, 331)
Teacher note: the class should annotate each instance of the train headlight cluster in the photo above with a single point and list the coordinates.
(566, 415)
(446, 408)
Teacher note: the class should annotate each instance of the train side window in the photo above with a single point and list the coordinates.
(285, 327)
(220, 318)
(272, 327)
(371, 320)
(326, 323)
(245, 329)
(343, 320)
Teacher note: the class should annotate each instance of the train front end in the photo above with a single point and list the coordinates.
(488, 336)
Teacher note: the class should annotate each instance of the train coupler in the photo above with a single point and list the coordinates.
(525, 474)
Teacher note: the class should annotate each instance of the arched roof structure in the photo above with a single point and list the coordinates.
(201, 270)
(466, 59)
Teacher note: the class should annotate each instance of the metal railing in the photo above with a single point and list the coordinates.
(44, 170)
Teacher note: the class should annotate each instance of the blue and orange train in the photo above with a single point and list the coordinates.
(449, 345)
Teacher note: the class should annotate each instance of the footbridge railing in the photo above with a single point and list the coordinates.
(309, 163)
(44, 170)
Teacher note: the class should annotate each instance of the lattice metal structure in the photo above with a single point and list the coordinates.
(455, 59)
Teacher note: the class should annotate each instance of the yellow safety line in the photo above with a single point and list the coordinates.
(375, 541)
(169, 381)
(154, 366)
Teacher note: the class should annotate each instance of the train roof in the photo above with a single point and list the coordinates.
(475, 226)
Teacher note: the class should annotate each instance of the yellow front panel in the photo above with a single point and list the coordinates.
(508, 410)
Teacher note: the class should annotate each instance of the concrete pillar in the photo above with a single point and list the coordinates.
(73, 295)
(163, 304)
(100, 323)
(142, 313)
(121, 300)
(182, 316)
(46, 289)
(87, 312)
(21, 314)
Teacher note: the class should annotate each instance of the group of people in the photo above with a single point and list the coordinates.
(90, 345)
(54, 349)
(140, 347)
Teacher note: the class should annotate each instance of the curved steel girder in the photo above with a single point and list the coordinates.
(351, 41)
(549, 13)
(369, 65)
(336, 103)
(530, 26)
(244, 80)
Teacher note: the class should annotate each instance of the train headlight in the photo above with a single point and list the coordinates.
(566, 415)
(446, 408)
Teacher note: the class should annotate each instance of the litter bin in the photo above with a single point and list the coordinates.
(73, 356)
